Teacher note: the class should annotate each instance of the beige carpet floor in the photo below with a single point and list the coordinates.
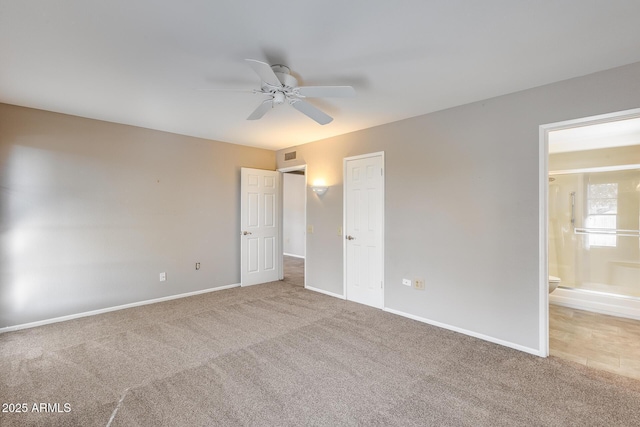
(279, 355)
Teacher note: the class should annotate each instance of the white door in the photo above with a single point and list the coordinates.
(364, 228)
(260, 226)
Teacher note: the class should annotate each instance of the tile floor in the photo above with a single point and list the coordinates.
(596, 340)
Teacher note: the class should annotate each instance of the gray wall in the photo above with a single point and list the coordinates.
(461, 206)
(92, 212)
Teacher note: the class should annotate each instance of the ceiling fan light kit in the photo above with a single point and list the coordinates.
(280, 86)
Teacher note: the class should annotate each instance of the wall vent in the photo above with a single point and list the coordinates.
(290, 155)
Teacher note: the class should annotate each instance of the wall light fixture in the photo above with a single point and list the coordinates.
(319, 187)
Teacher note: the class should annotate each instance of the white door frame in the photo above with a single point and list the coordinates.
(281, 207)
(344, 221)
(543, 195)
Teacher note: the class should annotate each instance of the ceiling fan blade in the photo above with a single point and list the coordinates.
(264, 71)
(311, 111)
(326, 91)
(261, 110)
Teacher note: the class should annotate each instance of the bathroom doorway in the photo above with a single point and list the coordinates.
(591, 181)
(593, 214)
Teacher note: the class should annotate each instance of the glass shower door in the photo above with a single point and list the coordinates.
(594, 223)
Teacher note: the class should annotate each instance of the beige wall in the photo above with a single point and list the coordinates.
(604, 157)
(92, 212)
(462, 204)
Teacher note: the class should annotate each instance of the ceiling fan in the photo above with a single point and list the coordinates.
(280, 87)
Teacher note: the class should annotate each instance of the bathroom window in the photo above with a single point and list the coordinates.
(602, 211)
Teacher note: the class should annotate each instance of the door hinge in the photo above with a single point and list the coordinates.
(380, 172)
(380, 285)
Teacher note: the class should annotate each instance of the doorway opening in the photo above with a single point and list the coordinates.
(294, 225)
(590, 240)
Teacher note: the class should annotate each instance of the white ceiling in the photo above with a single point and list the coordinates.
(140, 62)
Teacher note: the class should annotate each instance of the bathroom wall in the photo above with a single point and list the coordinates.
(605, 157)
(562, 241)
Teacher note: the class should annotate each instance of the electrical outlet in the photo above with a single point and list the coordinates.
(163, 277)
(418, 284)
(406, 282)
(197, 266)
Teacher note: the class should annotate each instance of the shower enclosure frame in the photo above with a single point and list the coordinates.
(543, 194)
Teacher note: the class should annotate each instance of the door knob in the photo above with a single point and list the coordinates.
(246, 233)
(350, 238)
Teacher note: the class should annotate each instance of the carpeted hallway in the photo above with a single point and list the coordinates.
(277, 354)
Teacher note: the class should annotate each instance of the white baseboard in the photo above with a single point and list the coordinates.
(322, 291)
(509, 344)
(108, 309)
(294, 256)
(596, 302)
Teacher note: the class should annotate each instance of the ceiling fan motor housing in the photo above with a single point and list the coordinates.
(279, 97)
(289, 82)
